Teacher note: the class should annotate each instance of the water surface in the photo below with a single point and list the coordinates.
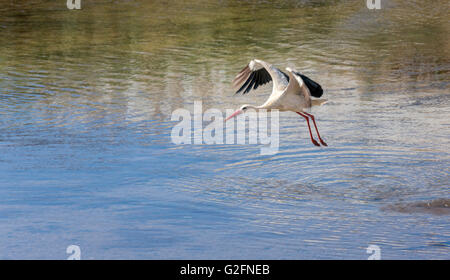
(86, 98)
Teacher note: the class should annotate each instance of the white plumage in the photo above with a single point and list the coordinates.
(290, 92)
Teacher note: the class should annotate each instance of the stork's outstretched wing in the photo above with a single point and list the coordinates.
(314, 88)
(258, 73)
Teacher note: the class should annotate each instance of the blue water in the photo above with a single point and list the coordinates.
(86, 156)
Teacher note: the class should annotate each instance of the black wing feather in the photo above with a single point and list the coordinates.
(266, 77)
(250, 86)
(255, 79)
(246, 82)
(314, 88)
(260, 77)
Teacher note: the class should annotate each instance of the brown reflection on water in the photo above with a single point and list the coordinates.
(436, 207)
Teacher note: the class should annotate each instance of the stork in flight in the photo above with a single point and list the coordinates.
(291, 92)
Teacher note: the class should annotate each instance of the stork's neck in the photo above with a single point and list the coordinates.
(260, 107)
(253, 107)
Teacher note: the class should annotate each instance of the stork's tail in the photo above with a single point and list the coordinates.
(318, 102)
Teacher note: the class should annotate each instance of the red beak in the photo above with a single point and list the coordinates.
(234, 114)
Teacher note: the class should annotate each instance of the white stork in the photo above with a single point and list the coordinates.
(291, 92)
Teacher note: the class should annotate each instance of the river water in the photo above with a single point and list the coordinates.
(86, 157)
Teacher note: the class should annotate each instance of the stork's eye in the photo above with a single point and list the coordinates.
(244, 108)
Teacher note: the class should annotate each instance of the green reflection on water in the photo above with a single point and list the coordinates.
(183, 50)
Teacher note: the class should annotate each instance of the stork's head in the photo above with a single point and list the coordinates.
(240, 111)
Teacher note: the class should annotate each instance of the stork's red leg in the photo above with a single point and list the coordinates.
(314, 122)
(309, 127)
